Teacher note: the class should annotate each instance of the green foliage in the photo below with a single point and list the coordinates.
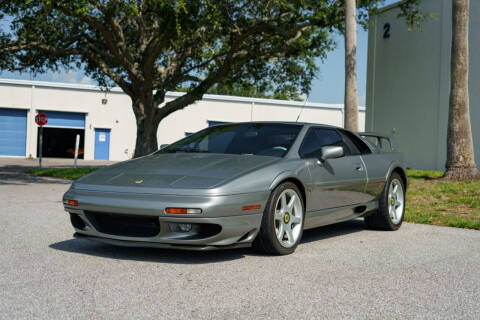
(173, 43)
(242, 89)
(63, 173)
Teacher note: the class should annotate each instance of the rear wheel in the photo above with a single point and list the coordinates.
(389, 215)
(282, 222)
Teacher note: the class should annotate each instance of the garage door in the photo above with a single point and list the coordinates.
(57, 119)
(59, 135)
(13, 132)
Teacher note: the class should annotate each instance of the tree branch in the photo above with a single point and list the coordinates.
(108, 37)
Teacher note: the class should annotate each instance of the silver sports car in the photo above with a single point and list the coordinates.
(242, 184)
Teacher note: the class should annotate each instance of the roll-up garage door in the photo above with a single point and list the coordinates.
(59, 134)
(13, 132)
(57, 119)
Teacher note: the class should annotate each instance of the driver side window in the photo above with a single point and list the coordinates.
(316, 138)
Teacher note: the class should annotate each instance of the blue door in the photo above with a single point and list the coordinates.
(102, 144)
(13, 132)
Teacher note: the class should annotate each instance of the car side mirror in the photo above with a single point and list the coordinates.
(164, 145)
(332, 152)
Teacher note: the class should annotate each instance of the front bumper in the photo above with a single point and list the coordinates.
(139, 220)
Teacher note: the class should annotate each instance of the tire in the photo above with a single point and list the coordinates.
(382, 218)
(281, 211)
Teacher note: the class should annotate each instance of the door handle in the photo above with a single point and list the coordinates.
(359, 167)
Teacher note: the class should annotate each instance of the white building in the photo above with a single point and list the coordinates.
(408, 81)
(107, 128)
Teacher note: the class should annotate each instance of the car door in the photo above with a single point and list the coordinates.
(376, 163)
(334, 182)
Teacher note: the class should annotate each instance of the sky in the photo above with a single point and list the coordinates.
(327, 87)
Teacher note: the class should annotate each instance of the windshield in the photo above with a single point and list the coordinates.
(267, 139)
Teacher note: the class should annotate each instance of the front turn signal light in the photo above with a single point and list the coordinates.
(73, 203)
(183, 210)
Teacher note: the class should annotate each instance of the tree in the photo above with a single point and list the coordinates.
(460, 157)
(149, 47)
(245, 89)
(351, 94)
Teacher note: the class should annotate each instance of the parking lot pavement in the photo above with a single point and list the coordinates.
(341, 271)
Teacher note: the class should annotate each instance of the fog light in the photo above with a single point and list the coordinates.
(185, 227)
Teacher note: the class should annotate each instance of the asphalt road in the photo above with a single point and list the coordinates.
(341, 271)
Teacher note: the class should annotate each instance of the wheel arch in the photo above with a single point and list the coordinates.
(401, 172)
(296, 182)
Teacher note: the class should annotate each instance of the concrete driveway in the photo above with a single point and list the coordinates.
(341, 271)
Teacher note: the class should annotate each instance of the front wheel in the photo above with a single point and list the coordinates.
(391, 206)
(282, 222)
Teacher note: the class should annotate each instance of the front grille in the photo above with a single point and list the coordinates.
(124, 224)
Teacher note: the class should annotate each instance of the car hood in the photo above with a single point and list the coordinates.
(163, 172)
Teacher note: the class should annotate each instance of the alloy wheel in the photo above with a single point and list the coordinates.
(396, 201)
(288, 219)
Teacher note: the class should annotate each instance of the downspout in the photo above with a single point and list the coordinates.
(31, 134)
(251, 110)
(342, 111)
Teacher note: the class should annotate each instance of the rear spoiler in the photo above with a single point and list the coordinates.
(379, 140)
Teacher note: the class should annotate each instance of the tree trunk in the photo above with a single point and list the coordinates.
(460, 158)
(146, 114)
(351, 99)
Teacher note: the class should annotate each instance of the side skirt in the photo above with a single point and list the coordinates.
(325, 217)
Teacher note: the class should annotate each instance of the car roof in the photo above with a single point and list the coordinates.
(309, 124)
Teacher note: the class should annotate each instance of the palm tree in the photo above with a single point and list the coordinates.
(460, 157)
(351, 99)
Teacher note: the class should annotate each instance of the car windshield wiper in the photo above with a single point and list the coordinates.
(186, 150)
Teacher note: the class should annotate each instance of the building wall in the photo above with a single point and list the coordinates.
(408, 82)
(117, 114)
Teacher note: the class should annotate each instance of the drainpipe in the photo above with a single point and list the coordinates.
(31, 134)
(251, 110)
(343, 116)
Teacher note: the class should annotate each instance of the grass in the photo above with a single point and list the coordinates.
(430, 199)
(63, 173)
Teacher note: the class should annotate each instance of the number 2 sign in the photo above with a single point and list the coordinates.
(386, 30)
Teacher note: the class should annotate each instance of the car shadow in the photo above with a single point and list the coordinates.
(91, 248)
(333, 230)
